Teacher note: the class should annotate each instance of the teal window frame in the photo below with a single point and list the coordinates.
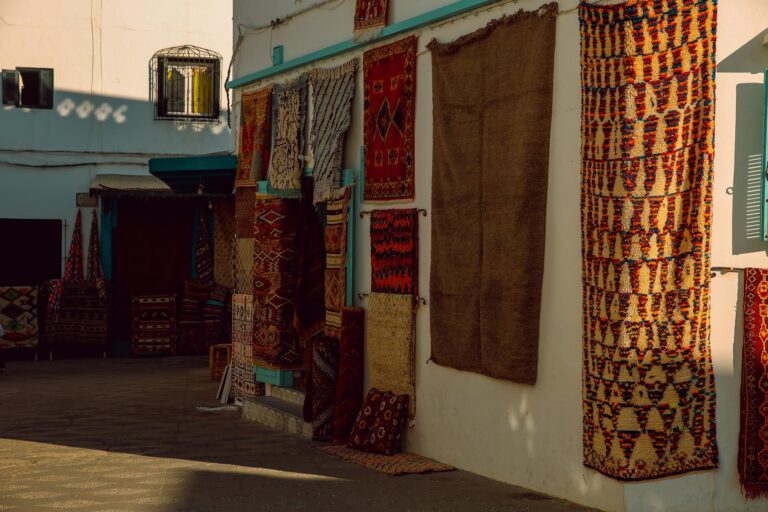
(764, 168)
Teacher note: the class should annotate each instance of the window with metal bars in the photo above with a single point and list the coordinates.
(185, 82)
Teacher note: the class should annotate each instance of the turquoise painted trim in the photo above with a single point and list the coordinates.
(348, 179)
(108, 222)
(422, 20)
(764, 209)
(193, 163)
(283, 378)
(361, 176)
(277, 55)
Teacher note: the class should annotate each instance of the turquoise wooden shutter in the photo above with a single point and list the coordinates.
(764, 168)
(10, 87)
(46, 88)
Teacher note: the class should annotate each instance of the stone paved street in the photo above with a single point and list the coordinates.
(123, 435)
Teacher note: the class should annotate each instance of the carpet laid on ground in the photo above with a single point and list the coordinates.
(402, 463)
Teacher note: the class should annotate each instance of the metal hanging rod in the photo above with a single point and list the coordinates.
(420, 300)
(725, 270)
(422, 211)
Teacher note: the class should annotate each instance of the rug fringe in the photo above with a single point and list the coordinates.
(334, 73)
(366, 34)
(755, 491)
(438, 48)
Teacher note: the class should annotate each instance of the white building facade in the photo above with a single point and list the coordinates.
(532, 435)
(101, 118)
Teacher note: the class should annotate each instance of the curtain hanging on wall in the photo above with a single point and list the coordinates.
(648, 90)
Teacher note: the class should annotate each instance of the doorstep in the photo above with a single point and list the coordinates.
(281, 409)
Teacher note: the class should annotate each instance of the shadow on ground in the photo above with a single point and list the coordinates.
(124, 435)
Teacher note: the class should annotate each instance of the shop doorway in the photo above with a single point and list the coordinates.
(152, 248)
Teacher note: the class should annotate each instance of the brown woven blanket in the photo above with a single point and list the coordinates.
(492, 103)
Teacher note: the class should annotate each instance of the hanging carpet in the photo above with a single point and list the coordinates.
(276, 344)
(309, 315)
(223, 242)
(332, 92)
(646, 198)
(73, 268)
(325, 368)
(492, 116)
(203, 251)
(18, 316)
(83, 318)
(336, 231)
(349, 385)
(244, 383)
(95, 269)
(245, 201)
(285, 166)
(255, 137)
(395, 251)
(154, 324)
(389, 108)
(370, 18)
(753, 434)
(390, 345)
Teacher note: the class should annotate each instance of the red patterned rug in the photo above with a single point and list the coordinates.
(154, 324)
(349, 385)
(395, 251)
(245, 201)
(83, 317)
(255, 137)
(370, 18)
(336, 261)
(276, 343)
(389, 76)
(753, 435)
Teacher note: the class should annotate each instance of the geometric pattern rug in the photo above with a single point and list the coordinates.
(753, 434)
(336, 231)
(18, 316)
(648, 113)
(389, 78)
(395, 251)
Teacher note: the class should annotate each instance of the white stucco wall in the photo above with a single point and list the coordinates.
(102, 115)
(532, 435)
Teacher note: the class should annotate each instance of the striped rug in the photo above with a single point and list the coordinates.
(332, 91)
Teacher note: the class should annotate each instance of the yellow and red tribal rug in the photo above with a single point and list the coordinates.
(648, 99)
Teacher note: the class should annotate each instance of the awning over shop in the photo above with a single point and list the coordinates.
(129, 185)
(211, 174)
